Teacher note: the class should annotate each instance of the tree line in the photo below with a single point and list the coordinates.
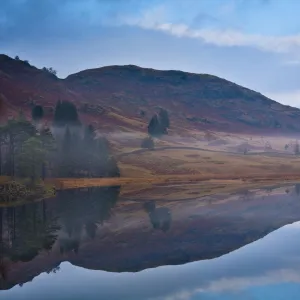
(67, 149)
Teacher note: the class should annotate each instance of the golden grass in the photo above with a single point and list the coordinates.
(199, 162)
(129, 121)
(4, 179)
(69, 183)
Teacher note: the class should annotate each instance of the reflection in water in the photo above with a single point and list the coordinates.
(160, 218)
(28, 229)
(91, 229)
(25, 230)
(297, 189)
(81, 211)
(266, 269)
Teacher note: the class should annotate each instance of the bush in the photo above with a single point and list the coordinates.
(147, 143)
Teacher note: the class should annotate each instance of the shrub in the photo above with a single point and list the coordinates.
(147, 143)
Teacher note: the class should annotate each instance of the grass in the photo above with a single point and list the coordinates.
(172, 162)
(210, 170)
(19, 191)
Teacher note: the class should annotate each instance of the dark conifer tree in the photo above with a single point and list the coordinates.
(154, 128)
(37, 113)
(164, 120)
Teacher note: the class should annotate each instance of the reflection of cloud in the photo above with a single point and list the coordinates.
(238, 284)
(270, 261)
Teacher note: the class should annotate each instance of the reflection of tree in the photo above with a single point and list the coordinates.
(80, 211)
(246, 195)
(30, 231)
(160, 218)
(24, 232)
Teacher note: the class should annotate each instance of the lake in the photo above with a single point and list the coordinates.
(98, 243)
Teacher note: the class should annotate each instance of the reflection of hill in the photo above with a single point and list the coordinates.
(128, 242)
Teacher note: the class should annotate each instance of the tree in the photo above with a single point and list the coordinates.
(17, 57)
(65, 114)
(31, 158)
(50, 70)
(154, 128)
(90, 154)
(66, 154)
(164, 120)
(142, 113)
(159, 123)
(15, 132)
(147, 143)
(49, 146)
(2, 143)
(37, 113)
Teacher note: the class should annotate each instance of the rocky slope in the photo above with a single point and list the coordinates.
(114, 97)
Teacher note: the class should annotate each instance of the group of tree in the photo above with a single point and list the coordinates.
(158, 126)
(82, 154)
(50, 70)
(23, 150)
(68, 149)
(65, 114)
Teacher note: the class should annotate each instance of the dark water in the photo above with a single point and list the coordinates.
(96, 244)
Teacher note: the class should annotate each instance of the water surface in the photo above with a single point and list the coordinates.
(96, 244)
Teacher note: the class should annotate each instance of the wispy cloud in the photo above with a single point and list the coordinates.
(219, 37)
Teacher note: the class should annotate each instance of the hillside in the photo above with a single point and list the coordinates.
(114, 96)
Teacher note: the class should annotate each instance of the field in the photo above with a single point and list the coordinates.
(202, 166)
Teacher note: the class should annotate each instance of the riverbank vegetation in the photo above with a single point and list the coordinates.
(31, 152)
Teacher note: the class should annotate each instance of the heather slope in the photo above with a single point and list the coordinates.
(114, 96)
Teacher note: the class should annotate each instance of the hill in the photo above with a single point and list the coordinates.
(125, 97)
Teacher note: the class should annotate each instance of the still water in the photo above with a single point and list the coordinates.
(97, 244)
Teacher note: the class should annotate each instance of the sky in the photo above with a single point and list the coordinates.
(255, 43)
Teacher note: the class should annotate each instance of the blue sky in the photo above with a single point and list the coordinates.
(255, 43)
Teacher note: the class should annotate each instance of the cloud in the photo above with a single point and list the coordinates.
(217, 37)
(20, 19)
